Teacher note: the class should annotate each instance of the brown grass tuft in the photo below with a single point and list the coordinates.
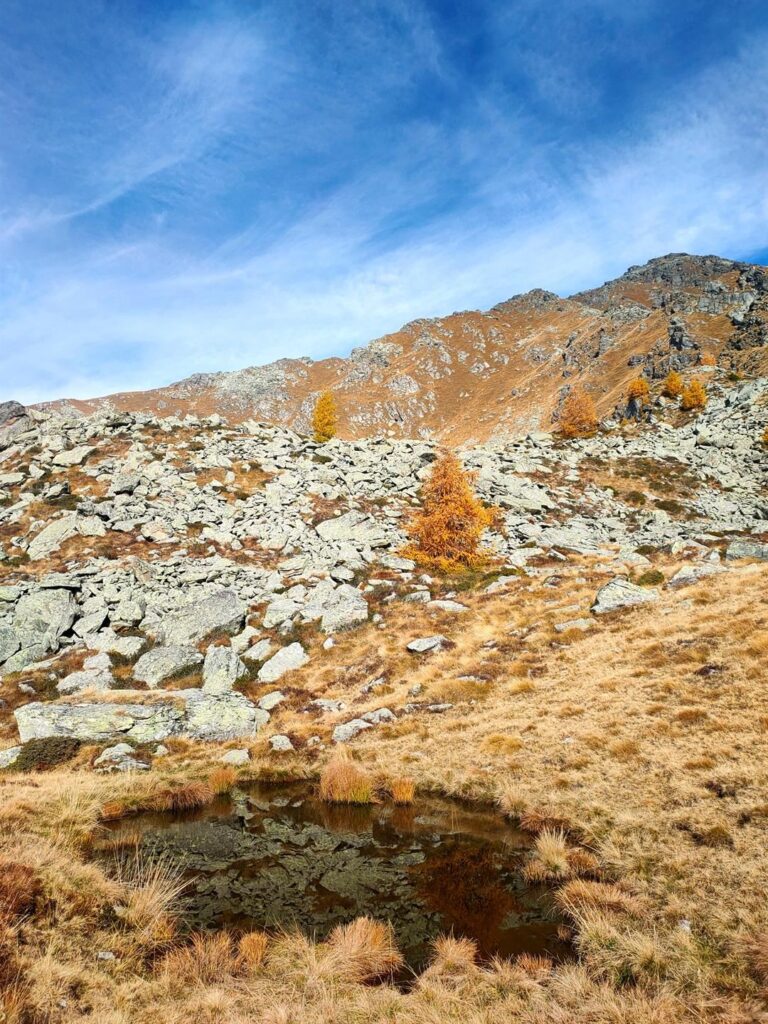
(539, 967)
(19, 889)
(206, 960)
(403, 790)
(152, 892)
(184, 798)
(252, 949)
(364, 950)
(222, 780)
(551, 857)
(579, 895)
(343, 782)
(456, 955)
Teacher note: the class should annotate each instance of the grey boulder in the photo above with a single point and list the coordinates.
(287, 659)
(221, 612)
(161, 663)
(620, 593)
(221, 670)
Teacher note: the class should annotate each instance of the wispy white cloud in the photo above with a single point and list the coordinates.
(218, 263)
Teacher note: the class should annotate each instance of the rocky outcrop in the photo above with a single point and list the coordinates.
(190, 713)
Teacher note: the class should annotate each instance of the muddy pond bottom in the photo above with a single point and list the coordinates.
(273, 857)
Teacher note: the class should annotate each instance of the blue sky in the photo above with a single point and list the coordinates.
(205, 185)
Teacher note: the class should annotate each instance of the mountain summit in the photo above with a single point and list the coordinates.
(476, 376)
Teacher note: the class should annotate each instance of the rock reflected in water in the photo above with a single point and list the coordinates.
(276, 857)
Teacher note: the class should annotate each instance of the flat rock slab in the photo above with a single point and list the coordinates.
(162, 663)
(190, 713)
(287, 659)
(73, 456)
(747, 549)
(346, 732)
(693, 574)
(428, 643)
(620, 593)
(222, 612)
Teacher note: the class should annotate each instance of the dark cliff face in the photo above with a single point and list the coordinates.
(659, 278)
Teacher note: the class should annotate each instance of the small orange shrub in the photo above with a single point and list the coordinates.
(708, 359)
(445, 533)
(694, 396)
(578, 416)
(325, 418)
(673, 385)
(638, 390)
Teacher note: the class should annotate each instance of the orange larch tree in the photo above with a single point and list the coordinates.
(578, 416)
(638, 390)
(325, 418)
(673, 385)
(694, 396)
(445, 533)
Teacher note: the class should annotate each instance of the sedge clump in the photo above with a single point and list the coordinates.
(445, 534)
(325, 418)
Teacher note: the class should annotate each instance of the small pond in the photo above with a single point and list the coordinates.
(276, 856)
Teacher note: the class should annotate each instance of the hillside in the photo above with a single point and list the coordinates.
(499, 374)
(193, 605)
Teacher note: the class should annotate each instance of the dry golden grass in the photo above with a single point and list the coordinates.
(363, 950)
(205, 960)
(344, 782)
(402, 790)
(252, 949)
(649, 816)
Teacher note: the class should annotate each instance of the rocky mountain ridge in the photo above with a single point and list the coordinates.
(474, 376)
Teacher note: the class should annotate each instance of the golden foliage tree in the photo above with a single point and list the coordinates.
(446, 532)
(578, 416)
(638, 390)
(673, 385)
(694, 396)
(325, 418)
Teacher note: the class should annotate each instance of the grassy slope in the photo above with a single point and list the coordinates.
(647, 735)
